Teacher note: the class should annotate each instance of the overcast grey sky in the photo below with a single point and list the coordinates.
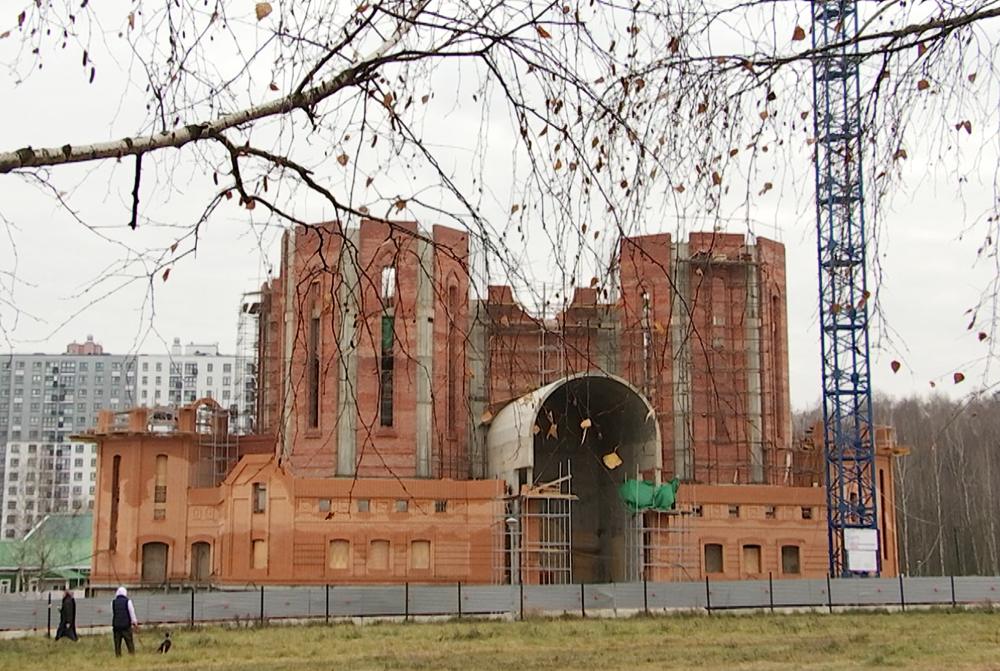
(68, 280)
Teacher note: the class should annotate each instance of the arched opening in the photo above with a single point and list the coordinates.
(589, 433)
(201, 561)
(154, 562)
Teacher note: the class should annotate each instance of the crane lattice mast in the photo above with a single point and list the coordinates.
(841, 239)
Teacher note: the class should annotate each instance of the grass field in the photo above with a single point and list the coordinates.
(914, 641)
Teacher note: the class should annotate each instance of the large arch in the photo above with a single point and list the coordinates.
(571, 425)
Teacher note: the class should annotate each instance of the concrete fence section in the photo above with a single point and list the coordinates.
(332, 602)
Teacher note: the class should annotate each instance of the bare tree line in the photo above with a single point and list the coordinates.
(947, 485)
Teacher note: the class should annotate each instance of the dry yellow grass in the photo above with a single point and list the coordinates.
(914, 641)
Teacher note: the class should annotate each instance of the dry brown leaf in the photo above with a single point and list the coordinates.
(767, 187)
(166, 274)
(900, 153)
(514, 208)
(923, 85)
(982, 336)
(553, 431)
(542, 32)
(173, 248)
(702, 108)
(5, 34)
(263, 10)
(612, 460)
(799, 34)
(131, 21)
(958, 377)
(673, 45)
(558, 164)
(361, 8)
(343, 159)
(535, 429)
(585, 424)
(486, 417)
(972, 78)
(716, 179)
(251, 204)
(894, 366)
(424, 98)
(679, 188)
(273, 86)
(400, 205)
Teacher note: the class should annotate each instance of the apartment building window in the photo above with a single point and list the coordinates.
(227, 368)
(209, 367)
(83, 366)
(98, 379)
(208, 380)
(145, 367)
(227, 381)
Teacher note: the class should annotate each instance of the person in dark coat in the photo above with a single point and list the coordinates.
(123, 621)
(67, 618)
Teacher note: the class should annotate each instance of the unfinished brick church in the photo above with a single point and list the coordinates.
(409, 429)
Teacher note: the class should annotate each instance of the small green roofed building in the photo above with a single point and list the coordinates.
(54, 555)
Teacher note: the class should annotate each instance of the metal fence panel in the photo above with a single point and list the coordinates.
(229, 606)
(866, 592)
(973, 590)
(799, 593)
(290, 602)
(739, 594)
(599, 597)
(551, 598)
(374, 601)
(161, 608)
(433, 599)
(927, 590)
(629, 596)
(484, 599)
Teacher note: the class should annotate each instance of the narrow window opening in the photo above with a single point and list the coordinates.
(452, 362)
(441, 506)
(734, 511)
(313, 371)
(713, 558)
(340, 552)
(259, 497)
(420, 555)
(402, 505)
(324, 505)
(807, 513)
(790, 559)
(770, 512)
(160, 493)
(378, 555)
(751, 559)
(363, 505)
(386, 366)
(258, 557)
(115, 498)
(882, 506)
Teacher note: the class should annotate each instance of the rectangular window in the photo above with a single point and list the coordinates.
(227, 368)
(324, 505)
(340, 553)
(386, 366)
(259, 497)
(713, 558)
(441, 506)
(402, 505)
(790, 559)
(734, 511)
(751, 559)
(363, 505)
(378, 555)
(807, 513)
(259, 555)
(770, 512)
(209, 367)
(160, 492)
(420, 555)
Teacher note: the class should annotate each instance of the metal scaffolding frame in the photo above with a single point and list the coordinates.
(661, 547)
(533, 540)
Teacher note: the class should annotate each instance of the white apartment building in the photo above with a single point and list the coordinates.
(185, 375)
(42, 478)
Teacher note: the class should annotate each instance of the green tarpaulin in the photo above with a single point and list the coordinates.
(644, 494)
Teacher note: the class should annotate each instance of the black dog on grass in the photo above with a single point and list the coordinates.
(165, 645)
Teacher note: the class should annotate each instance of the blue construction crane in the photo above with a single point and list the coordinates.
(841, 239)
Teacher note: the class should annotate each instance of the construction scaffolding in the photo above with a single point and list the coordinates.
(244, 408)
(218, 451)
(533, 541)
(661, 546)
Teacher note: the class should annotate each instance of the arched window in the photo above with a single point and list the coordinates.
(154, 562)
(201, 561)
